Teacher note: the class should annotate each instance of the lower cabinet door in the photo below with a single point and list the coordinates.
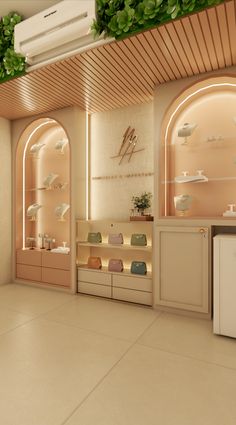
(32, 273)
(56, 276)
(182, 268)
(94, 276)
(31, 257)
(132, 296)
(94, 289)
(55, 260)
(132, 282)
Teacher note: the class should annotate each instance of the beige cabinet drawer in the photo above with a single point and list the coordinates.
(94, 276)
(132, 296)
(132, 282)
(29, 256)
(56, 276)
(93, 289)
(28, 272)
(55, 260)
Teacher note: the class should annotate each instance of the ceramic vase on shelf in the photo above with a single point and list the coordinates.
(49, 180)
(32, 211)
(34, 150)
(60, 145)
(182, 203)
(60, 211)
(31, 241)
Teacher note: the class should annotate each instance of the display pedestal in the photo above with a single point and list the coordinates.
(141, 218)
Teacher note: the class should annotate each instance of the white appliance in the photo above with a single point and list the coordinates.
(58, 32)
(224, 322)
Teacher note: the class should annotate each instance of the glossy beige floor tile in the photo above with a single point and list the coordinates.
(107, 317)
(31, 301)
(190, 337)
(11, 319)
(46, 369)
(152, 387)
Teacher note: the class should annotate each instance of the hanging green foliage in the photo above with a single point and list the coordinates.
(11, 63)
(120, 18)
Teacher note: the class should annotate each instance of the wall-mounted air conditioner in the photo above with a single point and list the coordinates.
(61, 31)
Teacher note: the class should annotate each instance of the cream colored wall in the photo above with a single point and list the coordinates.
(5, 201)
(74, 122)
(111, 198)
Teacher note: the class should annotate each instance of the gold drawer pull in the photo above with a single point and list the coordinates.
(203, 230)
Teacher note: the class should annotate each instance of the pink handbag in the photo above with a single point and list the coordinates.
(115, 239)
(115, 265)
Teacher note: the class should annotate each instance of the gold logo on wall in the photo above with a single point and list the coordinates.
(128, 145)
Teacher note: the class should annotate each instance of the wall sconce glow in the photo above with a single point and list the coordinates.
(32, 211)
(49, 180)
(186, 131)
(60, 211)
(60, 145)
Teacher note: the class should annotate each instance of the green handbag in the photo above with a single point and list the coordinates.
(138, 239)
(138, 267)
(94, 237)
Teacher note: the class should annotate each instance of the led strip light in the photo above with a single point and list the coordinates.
(49, 121)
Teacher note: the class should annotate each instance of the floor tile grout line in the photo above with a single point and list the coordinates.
(46, 312)
(106, 375)
(98, 383)
(158, 316)
(30, 320)
(98, 332)
(87, 330)
(208, 362)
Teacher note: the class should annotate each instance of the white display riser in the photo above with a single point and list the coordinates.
(125, 287)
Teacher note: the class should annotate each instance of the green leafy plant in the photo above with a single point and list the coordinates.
(11, 63)
(142, 202)
(120, 18)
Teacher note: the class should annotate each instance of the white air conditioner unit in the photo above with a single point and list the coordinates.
(61, 31)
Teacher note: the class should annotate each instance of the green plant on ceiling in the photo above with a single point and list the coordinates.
(11, 63)
(120, 18)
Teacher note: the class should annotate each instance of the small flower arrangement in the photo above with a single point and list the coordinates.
(142, 202)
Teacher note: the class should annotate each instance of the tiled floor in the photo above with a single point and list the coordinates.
(76, 360)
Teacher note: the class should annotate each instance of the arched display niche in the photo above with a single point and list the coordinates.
(211, 148)
(43, 178)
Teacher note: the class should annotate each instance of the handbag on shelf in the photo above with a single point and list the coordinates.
(94, 263)
(115, 239)
(94, 237)
(138, 267)
(115, 265)
(138, 239)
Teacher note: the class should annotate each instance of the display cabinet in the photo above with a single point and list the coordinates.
(197, 160)
(123, 285)
(196, 182)
(42, 208)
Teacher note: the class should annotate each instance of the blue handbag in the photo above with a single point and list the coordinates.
(138, 267)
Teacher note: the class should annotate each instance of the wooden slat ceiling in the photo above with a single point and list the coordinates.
(126, 72)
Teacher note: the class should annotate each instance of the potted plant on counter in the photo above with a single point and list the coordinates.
(140, 205)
